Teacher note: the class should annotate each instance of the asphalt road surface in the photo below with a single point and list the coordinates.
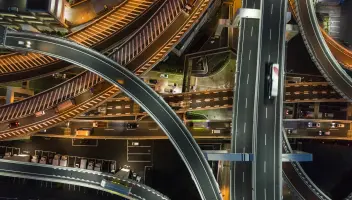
(268, 147)
(245, 102)
(137, 90)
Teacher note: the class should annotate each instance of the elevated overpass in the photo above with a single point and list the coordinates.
(121, 107)
(74, 176)
(105, 91)
(341, 53)
(133, 87)
(111, 28)
(318, 48)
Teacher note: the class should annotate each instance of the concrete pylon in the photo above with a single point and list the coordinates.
(10, 93)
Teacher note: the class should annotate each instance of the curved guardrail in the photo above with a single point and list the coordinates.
(173, 39)
(309, 187)
(74, 176)
(112, 23)
(342, 54)
(319, 51)
(136, 89)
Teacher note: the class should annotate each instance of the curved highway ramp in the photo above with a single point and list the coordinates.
(74, 176)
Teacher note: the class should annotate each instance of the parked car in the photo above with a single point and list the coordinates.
(97, 167)
(83, 164)
(14, 124)
(216, 131)
(63, 161)
(56, 160)
(90, 165)
(43, 160)
(35, 159)
(135, 143)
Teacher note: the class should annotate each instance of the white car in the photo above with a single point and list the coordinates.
(273, 81)
(164, 75)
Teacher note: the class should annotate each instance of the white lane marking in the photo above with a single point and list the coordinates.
(265, 139)
(246, 103)
(243, 177)
(244, 129)
(244, 149)
(264, 166)
(270, 34)
(247, 78)
(266, 112)
(252, 31)
(269, 58)
(250, 52)
(254, 5)
(125, 74)
(272, 7)
(264, 193)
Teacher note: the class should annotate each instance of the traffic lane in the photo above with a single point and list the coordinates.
(211, 103)
(136, 89)
(244, 107)
(145, 128)
(313, 96)
(327, 64)
(268, 170)
(47, 170)
(297, 182)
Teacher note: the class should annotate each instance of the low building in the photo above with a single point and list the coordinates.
(34, 15)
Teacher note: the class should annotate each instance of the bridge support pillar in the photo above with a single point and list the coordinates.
(10, 93)
(316, 110)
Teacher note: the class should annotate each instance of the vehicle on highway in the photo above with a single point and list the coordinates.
(65, 105)
(164, 76)
(189, 5)
(132, 126)
(341, 125)
(95, 124)
(83, 132)
(313, 124)
(115, 186)
(14, 124)
(40, 113)
(90, 165)
(63, 161)
(56, 160)
(43, 160)
(273, 81)
(322, 133)
(83, 163)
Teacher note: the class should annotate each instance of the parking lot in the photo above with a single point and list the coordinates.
(140, 151)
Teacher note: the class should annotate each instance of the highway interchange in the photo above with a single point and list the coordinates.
(266, 177)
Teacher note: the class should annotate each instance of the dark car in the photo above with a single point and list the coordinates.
(132, 126)
(153, 81)
(14, 124)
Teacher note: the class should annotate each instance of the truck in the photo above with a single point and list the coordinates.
(115, 186)
(83, 132)
(65, 105)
